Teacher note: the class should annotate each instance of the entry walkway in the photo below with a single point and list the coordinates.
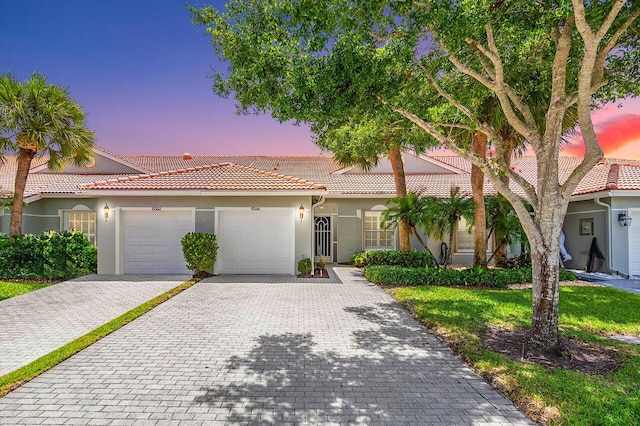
(237, 352)
(36, 323)
(632, 285)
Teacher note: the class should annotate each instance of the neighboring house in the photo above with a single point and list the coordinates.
(268, 212)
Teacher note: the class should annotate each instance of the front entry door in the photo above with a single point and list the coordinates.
(323, 236)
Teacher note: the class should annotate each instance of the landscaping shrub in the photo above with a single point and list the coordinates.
(200, 251)
(358, 259)
(304, 266)
(50, 255)
(396, 275)
(523, 260)
(407, 259)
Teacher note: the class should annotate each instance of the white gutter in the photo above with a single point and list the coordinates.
(320, 202)
(610, 236)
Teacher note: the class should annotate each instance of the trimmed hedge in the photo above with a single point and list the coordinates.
(50, 255)
(396, 275)
(407, 259)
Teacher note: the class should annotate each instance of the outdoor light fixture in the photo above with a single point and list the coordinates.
(624, 219)
(301, 210)
(106, 212)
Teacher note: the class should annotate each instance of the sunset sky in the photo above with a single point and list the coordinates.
(140, 70)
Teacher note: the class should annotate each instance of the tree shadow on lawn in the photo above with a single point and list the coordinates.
(390, 371)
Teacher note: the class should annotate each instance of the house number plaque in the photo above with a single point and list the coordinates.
(156, 209)
(255, 209)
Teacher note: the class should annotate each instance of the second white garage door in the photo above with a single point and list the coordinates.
(255, 241)
(152, 241)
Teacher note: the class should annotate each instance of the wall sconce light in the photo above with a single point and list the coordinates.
(301, 212)
(106, 212)
(624, 219)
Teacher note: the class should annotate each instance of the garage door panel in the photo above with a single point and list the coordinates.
(152, 241)
(255, 242)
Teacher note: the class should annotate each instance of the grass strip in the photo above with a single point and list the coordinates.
(11, 289)
(24, 374)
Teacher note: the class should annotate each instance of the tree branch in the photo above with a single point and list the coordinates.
(529, 125)
(613, 14)
(590, 60)
(480, 162)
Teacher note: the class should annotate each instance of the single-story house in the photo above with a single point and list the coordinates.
(268, 212)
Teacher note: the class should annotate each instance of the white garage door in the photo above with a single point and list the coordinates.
(255, 241)
(152, 241)
(634, 243)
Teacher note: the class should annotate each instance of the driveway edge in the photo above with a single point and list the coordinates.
(17, 378)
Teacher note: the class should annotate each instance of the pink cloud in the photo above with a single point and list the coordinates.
(616, 135)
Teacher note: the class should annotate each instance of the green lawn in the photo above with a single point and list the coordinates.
(567, 397)
(8, 290)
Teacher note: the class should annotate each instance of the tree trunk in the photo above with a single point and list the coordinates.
(24, 164)
(477, 186)
(500, 252)
(544, 322)
(449, 254)
(404, 233)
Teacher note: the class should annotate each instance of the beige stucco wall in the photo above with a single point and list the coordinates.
(348, 230)
(44, 215)
(578, 245)
(347, 224)
(205, 220)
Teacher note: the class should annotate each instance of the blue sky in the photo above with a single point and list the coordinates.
(140, 70)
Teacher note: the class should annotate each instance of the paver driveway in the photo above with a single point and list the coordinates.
(36, 323)
(229, 352)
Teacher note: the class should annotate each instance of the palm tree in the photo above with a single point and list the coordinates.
(503, 224)
(441, 216)
(38, 118)
(367, 161)
(407, 210)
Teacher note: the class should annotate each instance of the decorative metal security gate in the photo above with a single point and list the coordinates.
(323, 236)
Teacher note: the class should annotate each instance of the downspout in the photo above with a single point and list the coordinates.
(313, 231)
(610, 236)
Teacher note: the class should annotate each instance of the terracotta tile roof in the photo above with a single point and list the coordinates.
(629, 177)
(300, 173)
(9, 164)
(73, 183)
(35, 182)
(289, 165)
(216, 177)
(454, 161)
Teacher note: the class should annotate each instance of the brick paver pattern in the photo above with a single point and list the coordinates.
(269, 350)
(36, 323)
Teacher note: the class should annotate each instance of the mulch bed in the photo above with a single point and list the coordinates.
(202, 275)
(575, 354)
(318, 273)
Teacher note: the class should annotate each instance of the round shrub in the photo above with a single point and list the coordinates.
(304, 266)
(200, 251)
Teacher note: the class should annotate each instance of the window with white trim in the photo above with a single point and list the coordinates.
(81, 220)
(465, 240)
(375, 236)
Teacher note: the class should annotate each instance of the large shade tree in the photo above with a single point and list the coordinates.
(311, 60)
(40, 118)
